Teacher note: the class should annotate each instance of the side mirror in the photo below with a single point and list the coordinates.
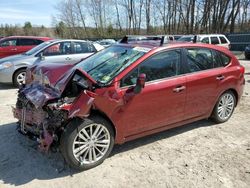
(140, 83)
(40, 56)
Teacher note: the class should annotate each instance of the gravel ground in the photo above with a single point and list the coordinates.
(201, 154)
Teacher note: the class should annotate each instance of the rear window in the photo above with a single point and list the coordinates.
(215, 40)
(225, 60)
(223, 40)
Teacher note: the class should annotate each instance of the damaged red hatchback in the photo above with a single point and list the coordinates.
(125, 92)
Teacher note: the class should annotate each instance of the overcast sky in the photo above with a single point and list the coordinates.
(38, 12)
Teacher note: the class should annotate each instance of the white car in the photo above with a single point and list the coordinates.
(216, 39)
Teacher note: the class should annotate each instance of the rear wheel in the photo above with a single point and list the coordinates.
(86, 144)
(19, 77)
(224, 107)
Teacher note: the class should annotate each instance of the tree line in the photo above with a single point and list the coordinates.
(114, 18)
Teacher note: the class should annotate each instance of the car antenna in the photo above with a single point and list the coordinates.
(124, 39)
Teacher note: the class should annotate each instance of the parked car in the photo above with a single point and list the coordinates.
(106, 42)
(19, 44)
(216, 39)
(13, 69)
(125, 92)
(247, 52)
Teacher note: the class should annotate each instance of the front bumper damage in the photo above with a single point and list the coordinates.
(41, 112)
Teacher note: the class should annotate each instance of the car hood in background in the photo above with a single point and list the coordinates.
(15, 58)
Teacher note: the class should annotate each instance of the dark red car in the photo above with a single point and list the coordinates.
(125, 92)
(19, 44)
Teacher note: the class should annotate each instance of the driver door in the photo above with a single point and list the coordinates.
(8, 48)
(160, 103)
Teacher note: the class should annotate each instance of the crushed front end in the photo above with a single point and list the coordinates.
(43, 112)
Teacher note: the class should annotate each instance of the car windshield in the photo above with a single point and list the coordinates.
(106, 64)
(37, 48)
(185, 39)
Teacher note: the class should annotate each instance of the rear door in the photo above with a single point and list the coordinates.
(160, 103)
(203, 77)
(81, 50)
(8, 47)
(25, 44)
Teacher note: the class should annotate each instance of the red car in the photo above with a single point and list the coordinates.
(124, 92)
(19, 44)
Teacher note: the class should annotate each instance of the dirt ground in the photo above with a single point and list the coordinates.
(201, 154)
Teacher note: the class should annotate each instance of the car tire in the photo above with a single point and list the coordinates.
(18, 77)
(87, 143)
(224, 107)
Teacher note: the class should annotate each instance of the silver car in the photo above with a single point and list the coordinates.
(12, 69)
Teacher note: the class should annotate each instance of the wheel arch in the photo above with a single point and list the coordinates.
(95, 112)
(235, 94)
(16, 72)
(234, 91)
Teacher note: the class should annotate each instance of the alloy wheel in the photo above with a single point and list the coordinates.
(91, 143)
(226, 106)
(21, 78)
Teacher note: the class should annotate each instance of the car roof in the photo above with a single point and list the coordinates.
(211, 35)
(69, 40)
(172, 45)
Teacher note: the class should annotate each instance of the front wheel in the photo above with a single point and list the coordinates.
(19, 77)
(86, 144)
(224, 107)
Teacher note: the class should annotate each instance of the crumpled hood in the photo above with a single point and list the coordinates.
(52, 70)
(39, 94)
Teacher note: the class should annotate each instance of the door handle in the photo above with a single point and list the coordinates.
(179, 89)
(220, 77)
(13, 49)
(67, 58)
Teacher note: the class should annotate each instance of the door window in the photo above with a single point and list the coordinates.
(159, 66)
(26, 42)
(62, 48)
(215, 40)
(11, 42)
(199, 59)
(82, 47)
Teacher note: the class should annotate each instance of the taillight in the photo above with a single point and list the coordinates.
(242, 70)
